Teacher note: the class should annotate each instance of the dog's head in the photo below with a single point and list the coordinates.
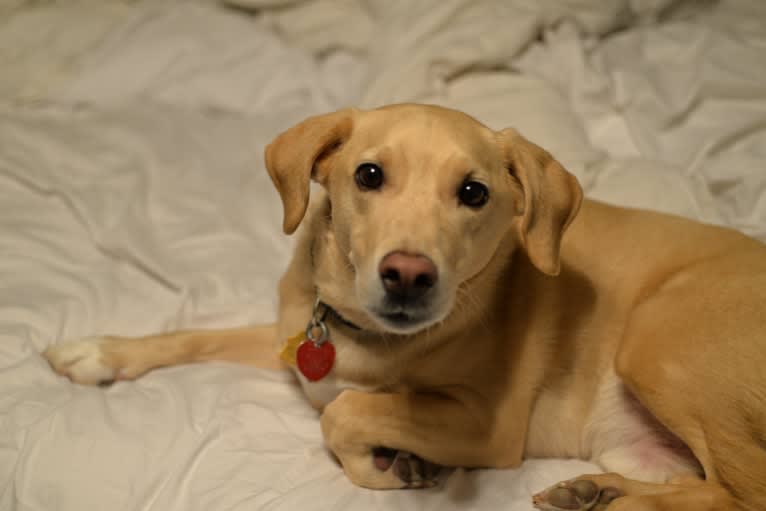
(422, 198)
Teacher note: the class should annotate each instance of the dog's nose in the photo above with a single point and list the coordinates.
(407, 276)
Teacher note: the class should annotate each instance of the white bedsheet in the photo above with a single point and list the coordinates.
(133, 200)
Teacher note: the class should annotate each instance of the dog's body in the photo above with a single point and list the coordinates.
(647, 347)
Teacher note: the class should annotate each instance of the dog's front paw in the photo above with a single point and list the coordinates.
(353, 434)
(386, 469)
(84, 361)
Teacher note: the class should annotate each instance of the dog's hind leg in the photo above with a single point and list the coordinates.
(693, 355)
(102, 360)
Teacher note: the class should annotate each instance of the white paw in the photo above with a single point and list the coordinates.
(81, 361)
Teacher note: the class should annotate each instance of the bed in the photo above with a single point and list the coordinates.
(133, 200)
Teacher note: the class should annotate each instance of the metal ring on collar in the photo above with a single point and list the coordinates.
(319, 311)
(324, 333)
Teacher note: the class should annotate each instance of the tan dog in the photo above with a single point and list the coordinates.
(470, 331)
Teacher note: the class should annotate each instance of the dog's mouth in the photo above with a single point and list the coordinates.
(396, 317)
(405, 320)
(399, 318)
(402, 322)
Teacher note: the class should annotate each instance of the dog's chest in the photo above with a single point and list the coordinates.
(321, 393)
(346, 357)
(355, 367)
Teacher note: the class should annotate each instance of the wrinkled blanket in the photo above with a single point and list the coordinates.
(133, 200)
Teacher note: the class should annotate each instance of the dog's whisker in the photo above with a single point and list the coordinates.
(464, 298)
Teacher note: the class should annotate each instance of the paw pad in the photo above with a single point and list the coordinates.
(412, 470)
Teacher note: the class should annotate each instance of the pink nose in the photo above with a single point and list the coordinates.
(407, 276)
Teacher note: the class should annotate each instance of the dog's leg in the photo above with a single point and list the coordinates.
(360, 427)
(105, 359)
(694, 356)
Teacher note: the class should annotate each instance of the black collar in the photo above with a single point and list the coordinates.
(333, 315)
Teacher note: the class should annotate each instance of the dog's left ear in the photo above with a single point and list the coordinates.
(552, 198)
(297, 155)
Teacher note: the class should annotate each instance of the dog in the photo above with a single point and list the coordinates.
(454, 301)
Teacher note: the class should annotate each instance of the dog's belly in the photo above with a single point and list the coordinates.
(617, 433)
(622, 436)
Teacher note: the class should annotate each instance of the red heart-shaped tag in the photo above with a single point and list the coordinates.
(315, 361)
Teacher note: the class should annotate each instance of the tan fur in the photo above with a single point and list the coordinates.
(647, 313)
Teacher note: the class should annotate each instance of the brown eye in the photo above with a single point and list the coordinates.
(369, 176)
(473, 194)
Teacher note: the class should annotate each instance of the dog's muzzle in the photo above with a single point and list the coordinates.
(409, 281)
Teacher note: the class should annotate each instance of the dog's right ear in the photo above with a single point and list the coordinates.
(296, 155)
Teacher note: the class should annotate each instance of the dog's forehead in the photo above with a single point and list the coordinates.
(424, 119)
(425, 130)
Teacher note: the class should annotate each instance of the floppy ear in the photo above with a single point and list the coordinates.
(552, 198)
(293, 157)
